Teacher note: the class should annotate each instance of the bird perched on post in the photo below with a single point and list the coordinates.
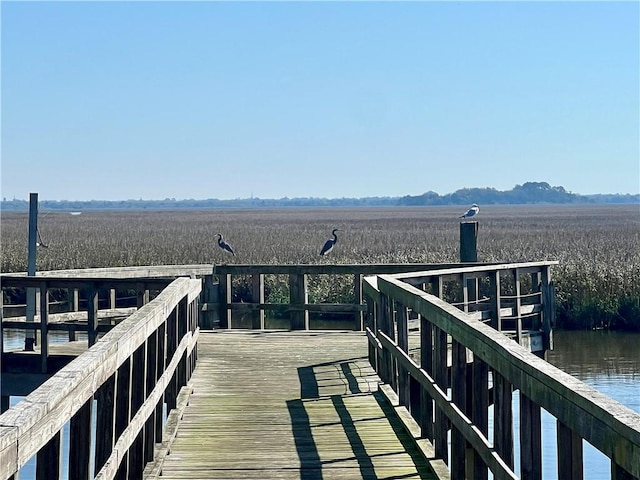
(472, 212)
(328, 246)
(224, 245)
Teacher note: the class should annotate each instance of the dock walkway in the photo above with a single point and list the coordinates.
(288, 405)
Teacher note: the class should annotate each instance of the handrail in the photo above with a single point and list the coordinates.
(150, 355)
(581, 411)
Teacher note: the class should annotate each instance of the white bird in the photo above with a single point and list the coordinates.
(328, 246)
(472, 212)
(224, 245)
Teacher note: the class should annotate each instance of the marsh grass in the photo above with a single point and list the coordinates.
(598, 247)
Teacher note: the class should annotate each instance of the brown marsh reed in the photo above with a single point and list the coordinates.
(598, 246)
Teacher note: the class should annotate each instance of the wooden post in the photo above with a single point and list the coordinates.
(426, 363)
(48, 463)
(151, 377)
(530, 440)
(138, 386)
(441, 426)
(503, 418)
(549, 308)
(569, 453)
(160, 368)
(5, 402)
(459, 398)
(92, 315)
(112, 298)
(357, 288)
(30, 335)
(496, 317)
(469, 241)
(257, 296)
(44, 327)
(480, 410)
(105, 421)
(298, 296)
(123, 409)
(469, 253)
(79, 444)
(225, 297)
(403, 343)
(142, 294)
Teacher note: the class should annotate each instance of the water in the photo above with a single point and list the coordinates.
(608, 361)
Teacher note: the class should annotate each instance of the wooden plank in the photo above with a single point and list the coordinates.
(314, 412)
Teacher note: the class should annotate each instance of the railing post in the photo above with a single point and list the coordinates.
(441, 426)
(123, 410)
(357, 289)
(530, 439)
(480, 410)
(92, 314)
(569, 453)
(298, 296)
(372, 321)
(151, 365)
(459, 398)
(44, 327)
(79, 446)
(404, 395)
(226, 296)
(516, 278)
(549, 308)
(138, 385)
(496, 317)
(105, 421)
(426, 363)
(172, 343)
(142, 293)
(257, 296)
(503, 418)
(160, 368)
(48, 463)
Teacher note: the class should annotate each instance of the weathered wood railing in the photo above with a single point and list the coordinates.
(132, 372)
(250, 312)
(515, 298)
(445, 392)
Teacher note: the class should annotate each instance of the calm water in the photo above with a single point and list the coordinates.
(607, 361)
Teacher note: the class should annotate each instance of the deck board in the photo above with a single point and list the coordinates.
(288, 405)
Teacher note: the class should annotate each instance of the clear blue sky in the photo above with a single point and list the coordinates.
(154, 100)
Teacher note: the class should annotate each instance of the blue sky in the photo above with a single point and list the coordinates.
(154, 100)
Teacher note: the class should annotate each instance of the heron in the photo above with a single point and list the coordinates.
(224, 245)
(472, 212)
(328, 246)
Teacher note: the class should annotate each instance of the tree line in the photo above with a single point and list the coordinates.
(528, 193)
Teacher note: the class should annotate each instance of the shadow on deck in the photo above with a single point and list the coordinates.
(302, 405)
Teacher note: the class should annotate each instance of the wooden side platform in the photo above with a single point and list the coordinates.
(289, 405)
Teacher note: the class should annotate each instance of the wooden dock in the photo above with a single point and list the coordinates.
(301, 405)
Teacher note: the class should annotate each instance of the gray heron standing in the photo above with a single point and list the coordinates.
(328, 246)
(224, 245)
(472, 212)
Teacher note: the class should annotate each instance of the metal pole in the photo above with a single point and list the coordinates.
(30, 336)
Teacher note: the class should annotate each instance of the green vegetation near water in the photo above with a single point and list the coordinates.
(598, 246)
